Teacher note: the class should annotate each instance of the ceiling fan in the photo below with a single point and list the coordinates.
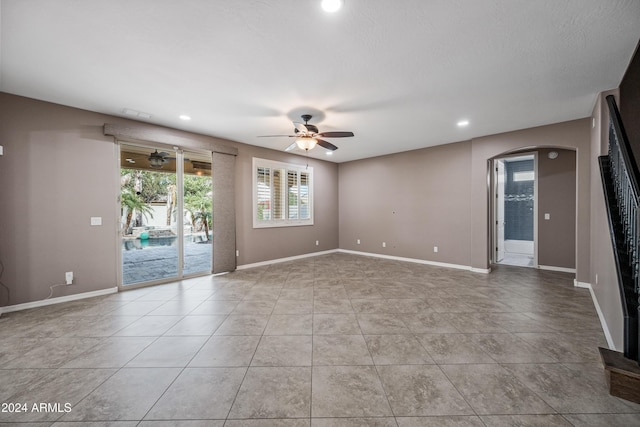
(307, 136)
(157, 160)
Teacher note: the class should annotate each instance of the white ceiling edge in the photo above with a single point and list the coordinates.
(397, 74)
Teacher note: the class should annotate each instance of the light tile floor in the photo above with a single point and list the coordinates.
(335, 340)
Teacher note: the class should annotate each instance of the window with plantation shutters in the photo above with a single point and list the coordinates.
(282, 194)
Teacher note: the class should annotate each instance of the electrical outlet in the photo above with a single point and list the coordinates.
(237, 253)
(69, 277)
(317, 242)
(358, 241)
(384, 244)
(435, 249)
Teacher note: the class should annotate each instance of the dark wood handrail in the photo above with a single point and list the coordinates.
(625, 146)
(623, 177)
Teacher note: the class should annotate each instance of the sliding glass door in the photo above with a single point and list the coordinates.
(198, 209)
(165, 213)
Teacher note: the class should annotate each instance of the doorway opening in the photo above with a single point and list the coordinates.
(515, 210)
(166, 210)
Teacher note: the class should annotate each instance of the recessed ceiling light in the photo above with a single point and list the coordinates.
(329, 153)
(331, 5)
(463, 123)
(184, 117)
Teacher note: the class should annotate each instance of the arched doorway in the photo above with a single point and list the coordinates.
(533, 215)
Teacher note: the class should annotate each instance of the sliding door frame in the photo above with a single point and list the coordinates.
(179, 207)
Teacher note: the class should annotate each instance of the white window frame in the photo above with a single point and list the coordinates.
(523, 176)
(286, 167)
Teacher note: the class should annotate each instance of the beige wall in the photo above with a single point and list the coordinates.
(557, 197)
(416, 200)
(263, 244)
(58, 170)
(573, 135)
(605, 286)
(413, 201)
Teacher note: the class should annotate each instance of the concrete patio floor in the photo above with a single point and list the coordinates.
(161, 262)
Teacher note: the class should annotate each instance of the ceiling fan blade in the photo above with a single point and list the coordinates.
(300, 127)
(325, 144)
(281, 136)
(161, 154)
(335, 134)
(291, 147)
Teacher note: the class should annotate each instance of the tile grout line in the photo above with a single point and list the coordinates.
(235, 398)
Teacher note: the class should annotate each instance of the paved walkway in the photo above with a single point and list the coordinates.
(161, 262)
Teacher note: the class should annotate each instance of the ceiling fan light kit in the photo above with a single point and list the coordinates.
(306, 143)
(306, 136)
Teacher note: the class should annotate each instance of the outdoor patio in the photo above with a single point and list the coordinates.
(161, 262)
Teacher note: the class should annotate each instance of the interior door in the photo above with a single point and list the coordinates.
(499, 209)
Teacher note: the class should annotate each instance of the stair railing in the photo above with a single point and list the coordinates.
(620, 173)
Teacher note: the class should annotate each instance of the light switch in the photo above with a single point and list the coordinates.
(96, 220)
(1, 151)
(547, 216)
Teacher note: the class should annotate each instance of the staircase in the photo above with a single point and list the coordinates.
(620, 180)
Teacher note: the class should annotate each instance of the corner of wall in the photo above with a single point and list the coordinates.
(603, 277)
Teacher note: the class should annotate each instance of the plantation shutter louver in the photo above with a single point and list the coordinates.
(282, 194)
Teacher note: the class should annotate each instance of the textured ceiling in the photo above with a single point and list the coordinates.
(399, 74)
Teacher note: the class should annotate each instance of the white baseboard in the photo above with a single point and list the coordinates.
(369, 254)
(603, 322)
(279, 260)
(581, 284)
(480, 270)
(417, 261)
(553, 268)
(57, 300)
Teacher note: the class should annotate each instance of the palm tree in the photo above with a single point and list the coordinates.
(200, 207)
(132, 202)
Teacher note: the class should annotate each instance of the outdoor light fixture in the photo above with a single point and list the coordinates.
(156, 162)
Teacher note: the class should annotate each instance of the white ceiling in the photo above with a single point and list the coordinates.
(398, 73)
